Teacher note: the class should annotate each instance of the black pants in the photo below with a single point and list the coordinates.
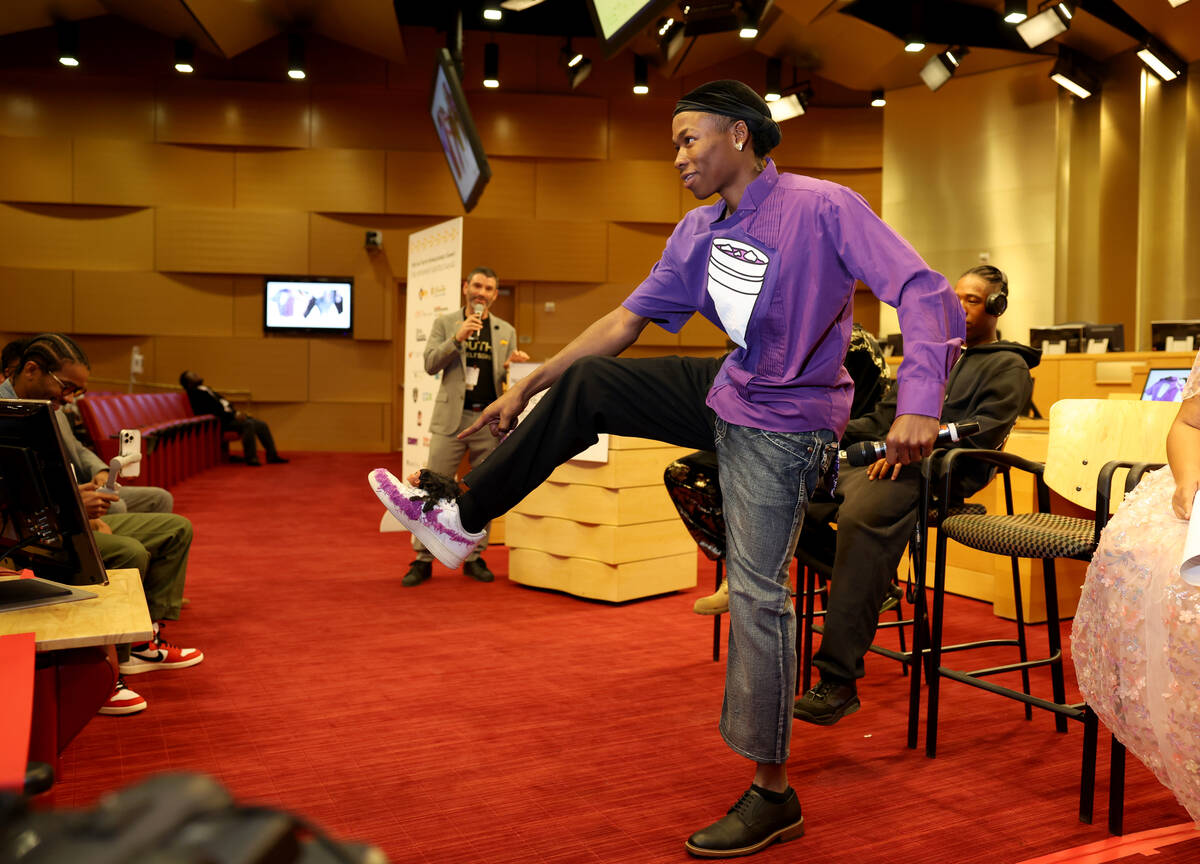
(875, 519)
(250, 428)
(660, 398)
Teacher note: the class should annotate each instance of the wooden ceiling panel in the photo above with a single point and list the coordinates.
(16, 17)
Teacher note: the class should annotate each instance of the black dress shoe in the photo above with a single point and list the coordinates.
(751, 825)
(253, 462)
(478, 570)
(827, 703)
(277, 460)
(418, 572)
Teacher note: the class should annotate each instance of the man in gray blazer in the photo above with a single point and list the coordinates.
(472, 349)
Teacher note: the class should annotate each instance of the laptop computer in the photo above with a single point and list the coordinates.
(1165, 385)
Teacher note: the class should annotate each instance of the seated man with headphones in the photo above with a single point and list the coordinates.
(875, 507)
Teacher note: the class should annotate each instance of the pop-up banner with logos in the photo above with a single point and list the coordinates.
(434, 288)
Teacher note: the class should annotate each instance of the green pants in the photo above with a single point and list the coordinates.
(157, 545)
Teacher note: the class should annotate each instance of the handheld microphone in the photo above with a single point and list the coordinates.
(478, 308)
(866, 452)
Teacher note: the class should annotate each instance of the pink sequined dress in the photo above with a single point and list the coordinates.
(1136, 636)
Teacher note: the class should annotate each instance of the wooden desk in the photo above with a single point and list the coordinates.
(117, 615)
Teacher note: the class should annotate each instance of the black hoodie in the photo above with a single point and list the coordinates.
(990, 384)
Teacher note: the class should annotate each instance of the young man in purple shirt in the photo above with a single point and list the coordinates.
(773, 263)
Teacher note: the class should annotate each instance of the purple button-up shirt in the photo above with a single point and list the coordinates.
(778, 277)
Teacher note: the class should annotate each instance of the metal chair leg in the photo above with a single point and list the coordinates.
(1087, 771)
(1116, 788)
(1054, 635)
(1022, 645)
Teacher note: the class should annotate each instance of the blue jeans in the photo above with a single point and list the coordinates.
(766, 480)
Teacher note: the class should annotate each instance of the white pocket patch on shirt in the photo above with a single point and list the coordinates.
(735, 278)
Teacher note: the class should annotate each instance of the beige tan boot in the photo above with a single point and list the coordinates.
(714, 604)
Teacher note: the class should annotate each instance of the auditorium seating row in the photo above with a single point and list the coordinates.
(175, 442)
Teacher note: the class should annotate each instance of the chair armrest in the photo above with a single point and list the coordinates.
(1104, 486)
(1004, 461)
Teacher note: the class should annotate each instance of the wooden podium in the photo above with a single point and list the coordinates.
(606, 531)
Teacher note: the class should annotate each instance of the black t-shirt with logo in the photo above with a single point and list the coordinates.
(477, 353)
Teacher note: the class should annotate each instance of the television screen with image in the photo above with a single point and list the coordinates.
(456, 132)
(308, 305)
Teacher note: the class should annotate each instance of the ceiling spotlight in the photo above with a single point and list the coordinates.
(68, 43)
(748, 31)
(1045, 25)
(670, 37)
(641, 75)
(1070, 74)
(491, 65)
(914, 46)
(492, 13)
(184, 54)
(1162, 61)
(878, 100)
(774, 76)
(296, 57)
(1177, 2)
(1015, 11)
(577, 66)
(792, 105)
(940, 68)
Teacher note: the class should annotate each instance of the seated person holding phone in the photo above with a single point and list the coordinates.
(54, 368)
(875, 507)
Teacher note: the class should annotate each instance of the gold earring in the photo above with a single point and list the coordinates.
(739, 145)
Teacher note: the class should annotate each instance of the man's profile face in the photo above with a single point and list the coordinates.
(480, 289)
(972, 293)
(59, 386)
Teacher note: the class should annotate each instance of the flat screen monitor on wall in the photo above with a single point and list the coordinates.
(308, 306)
(618, 21)
(456, 130)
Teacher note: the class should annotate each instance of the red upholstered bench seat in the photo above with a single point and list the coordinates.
(175, 442)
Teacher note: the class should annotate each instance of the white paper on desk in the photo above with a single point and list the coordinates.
(1189, 567)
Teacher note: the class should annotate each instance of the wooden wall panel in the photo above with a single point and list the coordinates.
(530, 124)
(575, 306)
(271, 370)
(147, 302)
(338, 181)
(231, 241)
(336, 244)
(248, 306)
(361, 427)
(841, 138)
(238, 113)
(420, 182)
(36, 301)
(35, 169)
(110, 356)
(139, 173)
(701, 332)
(64, 237)
(83, 106)
(641, 129)
(634, 248)
(371, 119)
(349, 370)
(607, 190)
(538, 250)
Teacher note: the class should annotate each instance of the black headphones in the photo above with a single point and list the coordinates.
(997, 301)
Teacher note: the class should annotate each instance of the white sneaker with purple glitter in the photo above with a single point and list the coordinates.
(439, 528)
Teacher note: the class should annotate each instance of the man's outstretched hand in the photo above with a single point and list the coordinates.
(501, 416)
(911, 438)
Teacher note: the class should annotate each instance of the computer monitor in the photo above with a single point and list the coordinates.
(43, 525)
(1059, 339)
(1165, 385)
(1098, 338)
(1183, 335)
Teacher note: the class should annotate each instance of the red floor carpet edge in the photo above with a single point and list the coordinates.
(468, 722)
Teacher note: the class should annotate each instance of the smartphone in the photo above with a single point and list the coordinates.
(131, 445)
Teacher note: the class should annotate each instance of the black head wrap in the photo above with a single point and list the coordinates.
(734, 99)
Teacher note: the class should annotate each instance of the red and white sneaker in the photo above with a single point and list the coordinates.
(159, 654)
(123, 700)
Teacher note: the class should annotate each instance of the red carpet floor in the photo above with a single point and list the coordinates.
(464, 722)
